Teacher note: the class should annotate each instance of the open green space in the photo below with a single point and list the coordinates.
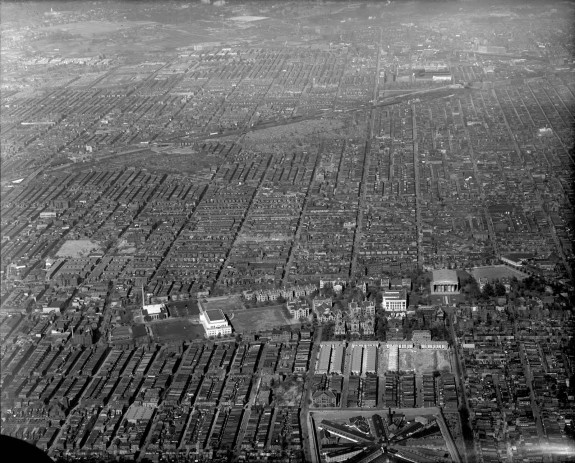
(175, 330)
(496, 272)
(260, 319)
(226, 304)
(78, 248)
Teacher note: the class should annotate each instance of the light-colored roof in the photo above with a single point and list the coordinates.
(394, 295)
(153, 308)
(139, 412)
(445, 275)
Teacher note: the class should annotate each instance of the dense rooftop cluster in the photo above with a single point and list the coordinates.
(294, 176)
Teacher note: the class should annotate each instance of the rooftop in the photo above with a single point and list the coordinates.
(400, 294)
(445, 276)
(215, 315)
(153, 308)
(139, 412)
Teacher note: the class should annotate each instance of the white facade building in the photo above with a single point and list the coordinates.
(215, 322)
(153, 311)
(395, 302)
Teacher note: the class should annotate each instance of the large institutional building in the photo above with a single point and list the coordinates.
(395, 302)
(445, 282)
(214, 321)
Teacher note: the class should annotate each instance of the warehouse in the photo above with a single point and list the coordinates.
(324, 359)
(336, 365)
(369, 359)
(356, 360)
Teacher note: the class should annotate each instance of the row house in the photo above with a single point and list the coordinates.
(298, 309)
(274, 294)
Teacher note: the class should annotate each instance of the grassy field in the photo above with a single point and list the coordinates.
(228, 304)
(196, 165)
(293, 131)
(424, 360)
(260, 318)
(175, 330)
(78, 248)
(496, 272)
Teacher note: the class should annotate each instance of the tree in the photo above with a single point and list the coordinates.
(439, 332)
(488, 290)
(470, 287)
(499, 289)
(217, 291)
(30, 306)
(489, 319)
(381, 327)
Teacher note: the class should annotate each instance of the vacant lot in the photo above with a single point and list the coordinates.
(495, 272)
(197, 166)
(424, 360)
(259, 319)
(176, 330)
(294, 131)
(289, 393)
(124, 248)
(78, 248)
(382, 360)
